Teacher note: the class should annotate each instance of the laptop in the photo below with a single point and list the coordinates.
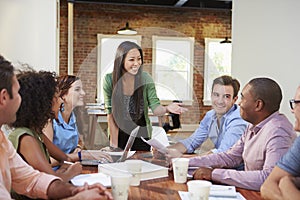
(117, 156)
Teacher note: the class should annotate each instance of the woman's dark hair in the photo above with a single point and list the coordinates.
(37, 90)
(118, 72)
(65, 82)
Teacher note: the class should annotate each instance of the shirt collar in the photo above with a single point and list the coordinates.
(233, 108)
(256, 128)
(62, 121)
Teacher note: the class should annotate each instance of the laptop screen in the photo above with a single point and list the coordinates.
(117, 158)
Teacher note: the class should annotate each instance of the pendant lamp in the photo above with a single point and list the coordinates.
(226, 41)
(127, 30)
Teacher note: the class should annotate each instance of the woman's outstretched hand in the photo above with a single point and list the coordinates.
(176, 108)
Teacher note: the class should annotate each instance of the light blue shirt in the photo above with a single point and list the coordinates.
(232, 126)
(290, 162)
(66, 136)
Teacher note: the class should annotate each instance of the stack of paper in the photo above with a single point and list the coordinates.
(149, 170)
(218, 192)
(222, 191)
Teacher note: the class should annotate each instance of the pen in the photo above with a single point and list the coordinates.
(67, 162)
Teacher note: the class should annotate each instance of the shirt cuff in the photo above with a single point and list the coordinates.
(43, 184)
(214, 150)
(216, 175)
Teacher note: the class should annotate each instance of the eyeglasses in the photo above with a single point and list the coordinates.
(293, 102)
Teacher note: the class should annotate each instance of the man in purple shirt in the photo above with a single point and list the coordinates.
(265, 140)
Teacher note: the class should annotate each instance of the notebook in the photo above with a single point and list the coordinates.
(149, 170)
(117, 156)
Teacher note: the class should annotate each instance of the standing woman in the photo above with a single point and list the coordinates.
(128, 93)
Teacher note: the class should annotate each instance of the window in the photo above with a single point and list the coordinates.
(172, 68)
(217, 63)
(107, 47)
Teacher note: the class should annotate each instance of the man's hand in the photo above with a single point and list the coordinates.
(203, 173)
(170, 154)
(94, 191)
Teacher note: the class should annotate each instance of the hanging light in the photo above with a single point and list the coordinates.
(127, 30)
(226, 41)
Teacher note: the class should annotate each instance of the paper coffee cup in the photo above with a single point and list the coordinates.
(199, 189)
(180, 169)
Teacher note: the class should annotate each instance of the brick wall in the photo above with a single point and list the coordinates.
(91, 19)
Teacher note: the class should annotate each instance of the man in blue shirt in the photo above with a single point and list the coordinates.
(223, 124)
(284, 180)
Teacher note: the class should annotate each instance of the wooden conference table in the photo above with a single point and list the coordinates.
(162, 188)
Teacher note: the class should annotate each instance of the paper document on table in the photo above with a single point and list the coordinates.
(222, 191)
(149, 170)
(102, 178)
(185, 196)
(218, 192)
(156, 144)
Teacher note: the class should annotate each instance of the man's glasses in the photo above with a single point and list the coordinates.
(293, 102)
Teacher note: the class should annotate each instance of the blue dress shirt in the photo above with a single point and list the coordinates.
(232, 126)
(290, 162)
(66, 136)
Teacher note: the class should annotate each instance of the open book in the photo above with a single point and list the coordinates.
(149, 170)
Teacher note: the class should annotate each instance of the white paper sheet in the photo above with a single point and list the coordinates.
(79, 180)
(185, 196)
(156, 144)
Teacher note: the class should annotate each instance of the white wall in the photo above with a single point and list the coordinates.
(28, 32)
(266, 43)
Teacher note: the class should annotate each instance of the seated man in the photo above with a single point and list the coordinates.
(265, 140)
(223, 124)
(15, 173)
(284, 181)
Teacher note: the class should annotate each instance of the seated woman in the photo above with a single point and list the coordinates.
(39, 96)
(62, 130)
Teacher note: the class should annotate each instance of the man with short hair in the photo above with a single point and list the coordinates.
(14, 172)
(265, 140)
(223, 124)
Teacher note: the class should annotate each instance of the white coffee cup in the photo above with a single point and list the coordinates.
(199, 189)
(180, 169)
(134, 167)
(120, 185)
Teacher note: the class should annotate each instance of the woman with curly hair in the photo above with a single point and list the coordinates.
(39, 99)
(62, 130)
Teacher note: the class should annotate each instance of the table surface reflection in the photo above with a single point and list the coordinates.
(163, 188)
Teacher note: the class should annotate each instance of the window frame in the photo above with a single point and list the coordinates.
(112, 52)
(208, 79)
(191, 42)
